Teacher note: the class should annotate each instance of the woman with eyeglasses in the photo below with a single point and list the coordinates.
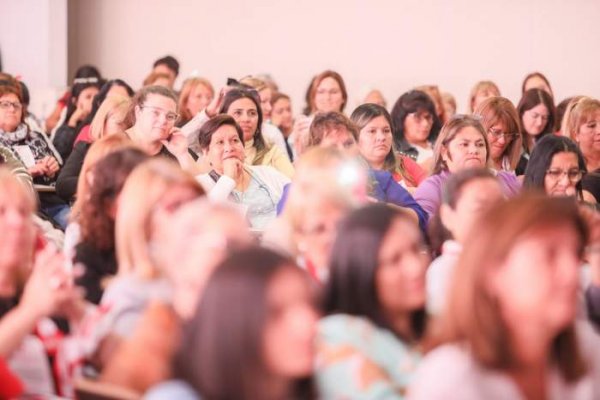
(537, 115)
(501, 122)
(556, 167)
(33, 149)
(256, 188)
(582, 124)
(154, 111)
(416, 125)
(462, 144)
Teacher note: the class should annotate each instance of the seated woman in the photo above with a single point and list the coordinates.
(482, 91)
(96, 247)
(509, 331)
(33, 149)
(462, 144)
(375, 142)
(273, 136)
(582, 124)
(416, 126)
(556, 168)
(80, 106)
(197, 238)
(34, 285)
(465, 197)
(537, 116)
(536, 80)
(154, 114)
(374, 301)
(282, 118)
(114, 87)
(196, 94)
(270, 323)
(152, 192)
(501, 122)
(256, 188)
(109, 120)
(327, 185)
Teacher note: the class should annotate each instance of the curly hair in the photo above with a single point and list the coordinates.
(109, 174)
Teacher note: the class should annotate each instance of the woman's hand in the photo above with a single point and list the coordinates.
(212, 109)
(233, 168)
(50, 286)
(78, 115)
(300, 134)
(177, 143)
(52, 166)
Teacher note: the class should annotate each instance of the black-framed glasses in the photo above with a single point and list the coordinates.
(157, 112)
(5, 105)
(574, 175)
(496, 134)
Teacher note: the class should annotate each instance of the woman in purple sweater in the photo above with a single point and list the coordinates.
(461, 144)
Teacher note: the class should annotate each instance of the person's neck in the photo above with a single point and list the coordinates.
(278, 389)
(377, 165)
(592, 161)
(422, 144)
(7, 283)
(531, 349)
(497, 164)
(150, 147)
(401, 323)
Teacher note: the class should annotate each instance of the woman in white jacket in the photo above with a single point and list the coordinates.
(257, 189)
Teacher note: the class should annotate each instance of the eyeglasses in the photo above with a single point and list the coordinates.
(498, 134)
(157, 112)
(5, 105)
(574, 175)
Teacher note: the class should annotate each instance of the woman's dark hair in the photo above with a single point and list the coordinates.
(307, 108)
(411, 102)
(353, 267)
(541, 159)
(222, 352)
(88, 71)
(236, 94)
(110, 173)
(531, 99)
(212, 125)
(76, 90)
(168, 61)
(532, 75)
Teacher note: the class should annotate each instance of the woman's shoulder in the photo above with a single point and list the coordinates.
(173, 389)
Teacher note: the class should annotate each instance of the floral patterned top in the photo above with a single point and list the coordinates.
(358, 360)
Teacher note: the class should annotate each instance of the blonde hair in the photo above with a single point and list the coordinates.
(480, 87)
(447, 135)
(501, 110)
(186, 90)
(110, 105)
(144, 188)
(98, 150)
(255, 83)
(578, 112)
(319, 176)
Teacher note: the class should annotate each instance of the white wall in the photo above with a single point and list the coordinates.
(33, 42)
(390, 44)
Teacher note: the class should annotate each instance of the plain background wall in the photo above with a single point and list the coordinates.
(33, 42)
(392, 45)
